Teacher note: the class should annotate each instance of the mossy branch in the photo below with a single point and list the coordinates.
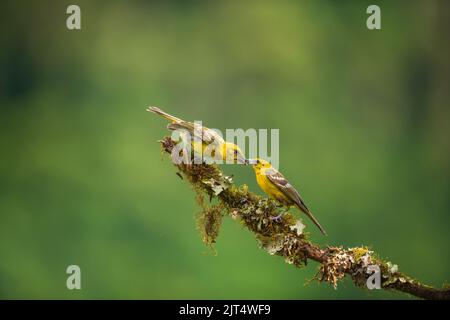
(286, 238)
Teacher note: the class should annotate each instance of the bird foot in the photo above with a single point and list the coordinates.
(278, 218)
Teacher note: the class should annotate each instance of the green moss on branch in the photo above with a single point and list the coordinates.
(286, 238)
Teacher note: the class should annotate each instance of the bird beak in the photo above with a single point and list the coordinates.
(252, 161)
(241, 159)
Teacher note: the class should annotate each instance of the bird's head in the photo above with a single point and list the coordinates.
(232, 152)
(259, 164)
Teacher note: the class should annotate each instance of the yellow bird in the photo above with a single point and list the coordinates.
(227, 151)
(277, 187)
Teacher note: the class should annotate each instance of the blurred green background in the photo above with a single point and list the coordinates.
(363, 118)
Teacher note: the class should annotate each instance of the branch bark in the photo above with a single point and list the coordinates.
(286, 237)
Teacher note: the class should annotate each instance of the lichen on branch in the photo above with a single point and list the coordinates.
(286, 238)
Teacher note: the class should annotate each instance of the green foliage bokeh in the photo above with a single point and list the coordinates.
(363, 118)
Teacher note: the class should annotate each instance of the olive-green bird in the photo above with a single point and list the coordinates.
(209, 138)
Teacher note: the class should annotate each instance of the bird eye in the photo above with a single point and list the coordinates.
(235, 152)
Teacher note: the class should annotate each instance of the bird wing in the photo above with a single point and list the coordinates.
(208, 135)
(292, 194)
(286, 188)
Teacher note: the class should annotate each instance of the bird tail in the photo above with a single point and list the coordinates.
(164, 114)
(306, 211)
